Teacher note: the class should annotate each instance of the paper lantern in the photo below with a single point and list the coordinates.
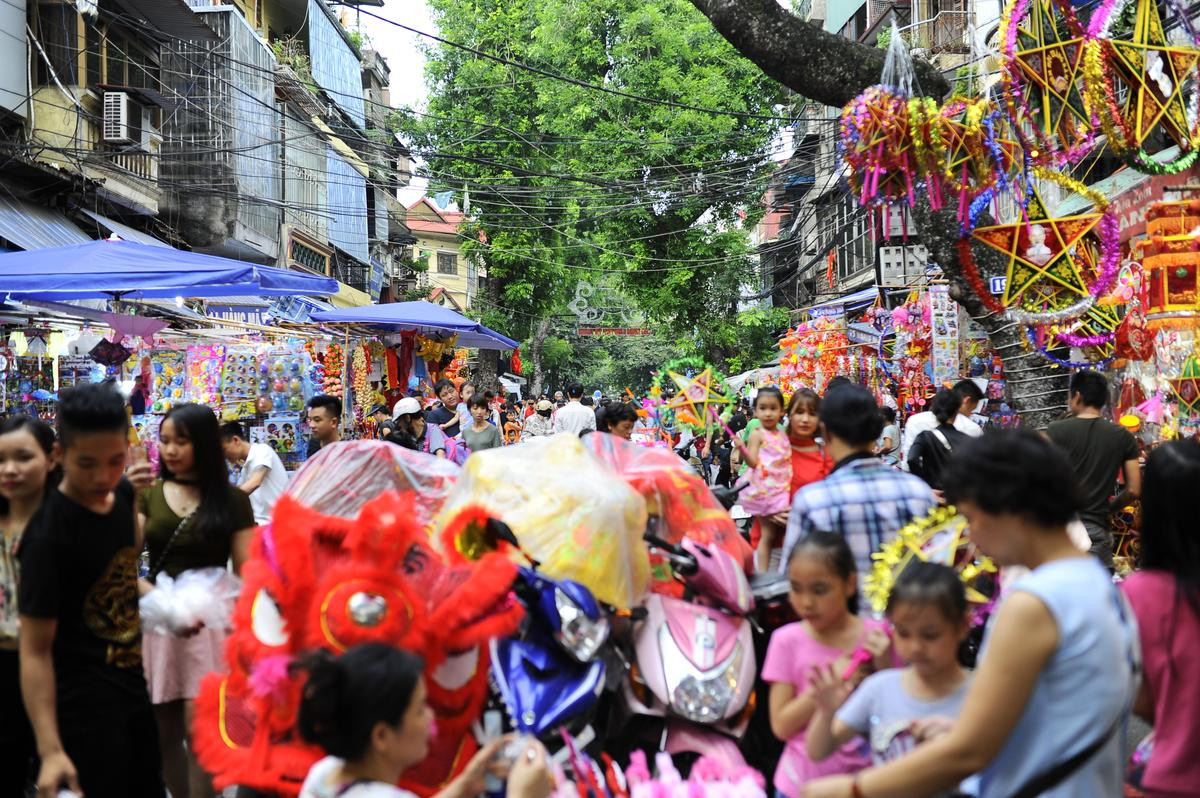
(1171, 264)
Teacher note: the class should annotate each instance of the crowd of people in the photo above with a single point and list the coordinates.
(868, 707)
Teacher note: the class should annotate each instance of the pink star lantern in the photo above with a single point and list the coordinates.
(137, 326)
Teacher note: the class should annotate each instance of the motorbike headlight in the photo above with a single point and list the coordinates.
(705, 697)
(702, 700)
(578, 634)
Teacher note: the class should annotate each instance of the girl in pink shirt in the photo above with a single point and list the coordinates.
(1165, 596)
(824, 593)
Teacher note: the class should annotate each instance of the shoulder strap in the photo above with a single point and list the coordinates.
(941, 436)
(162, 557)
(1049, 779)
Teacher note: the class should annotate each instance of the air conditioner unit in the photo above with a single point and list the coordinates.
(122, 118)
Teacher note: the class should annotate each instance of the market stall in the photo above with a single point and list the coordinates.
(382, 352)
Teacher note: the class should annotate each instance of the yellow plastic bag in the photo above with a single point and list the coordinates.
(570, 512)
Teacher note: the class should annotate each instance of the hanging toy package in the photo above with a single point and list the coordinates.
(569, 511)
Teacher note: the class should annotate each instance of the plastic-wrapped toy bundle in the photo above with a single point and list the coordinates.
(200, 596)
(340, 479)
(673, 493)
(570, 512)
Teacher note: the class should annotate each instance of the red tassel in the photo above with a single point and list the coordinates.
(515, 365)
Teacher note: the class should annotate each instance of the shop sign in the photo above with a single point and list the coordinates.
(242, 314)
(615, 331)
(826, 311)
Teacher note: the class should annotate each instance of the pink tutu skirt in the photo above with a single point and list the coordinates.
(759, 503)
(175, 665)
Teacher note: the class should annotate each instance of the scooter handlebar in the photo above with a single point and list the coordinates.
(681, 560)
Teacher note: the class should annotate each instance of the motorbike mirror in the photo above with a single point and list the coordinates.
(499, 530)
(727, 497)
(659, 543)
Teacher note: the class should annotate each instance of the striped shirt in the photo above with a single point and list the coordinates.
(863, 500)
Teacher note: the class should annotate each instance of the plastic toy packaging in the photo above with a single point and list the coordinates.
(569, 511)
(204, 374)
(168, 367)
(200, 596)
(340, 479)
(239, 383)
(673, 492)
(282, 385)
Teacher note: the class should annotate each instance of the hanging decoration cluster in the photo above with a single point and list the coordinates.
(1130, 69)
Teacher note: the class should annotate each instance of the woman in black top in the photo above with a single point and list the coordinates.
(932, 448)
(191, 518)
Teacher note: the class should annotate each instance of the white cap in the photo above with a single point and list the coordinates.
(406, 407)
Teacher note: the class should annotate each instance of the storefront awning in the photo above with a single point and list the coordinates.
(30, 226)
(1112, 186)
(348, 297)
(124, 231)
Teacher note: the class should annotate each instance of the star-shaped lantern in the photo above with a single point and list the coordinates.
(1186, 387)
(1048, 61)
(698, 397)
(1156, 73)
(1050, 253)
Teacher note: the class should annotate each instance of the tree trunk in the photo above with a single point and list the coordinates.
(487, 376)
(821, 66)
(832, 70)
(1036, 389)
(535, 356)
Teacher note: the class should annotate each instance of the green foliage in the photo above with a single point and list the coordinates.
(568, 183)
(966, 81)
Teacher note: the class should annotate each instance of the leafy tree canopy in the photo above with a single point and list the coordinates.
(569, 183)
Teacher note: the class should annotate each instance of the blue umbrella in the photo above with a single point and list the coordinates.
(129, 270)
(423, 317)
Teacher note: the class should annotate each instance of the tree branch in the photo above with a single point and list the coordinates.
(821, 66)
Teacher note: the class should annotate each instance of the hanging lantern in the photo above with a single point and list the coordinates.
(1186, 387)
(1171, 257)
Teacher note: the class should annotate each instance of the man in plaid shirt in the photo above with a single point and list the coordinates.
(864, 499)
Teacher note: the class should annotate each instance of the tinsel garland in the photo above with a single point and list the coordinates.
(1101, 99)
(1098, 365)
(941, 536)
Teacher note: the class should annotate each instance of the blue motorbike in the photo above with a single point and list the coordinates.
(550, 674)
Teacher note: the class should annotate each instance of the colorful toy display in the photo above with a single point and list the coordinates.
(204, 364)
(239, 383)
(282, 381)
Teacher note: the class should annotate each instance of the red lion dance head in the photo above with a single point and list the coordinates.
(315, 581)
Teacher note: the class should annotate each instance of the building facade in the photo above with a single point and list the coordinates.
(257, 130)
(443, 270)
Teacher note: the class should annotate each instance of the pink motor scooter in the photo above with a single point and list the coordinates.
(693, 669)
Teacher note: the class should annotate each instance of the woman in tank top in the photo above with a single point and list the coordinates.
(1060, 662)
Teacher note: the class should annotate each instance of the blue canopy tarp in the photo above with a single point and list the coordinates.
(129, 270)
(423, 317)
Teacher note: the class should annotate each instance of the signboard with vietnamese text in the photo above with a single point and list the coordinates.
(615, 331)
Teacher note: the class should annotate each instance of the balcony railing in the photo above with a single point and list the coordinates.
(945, 32)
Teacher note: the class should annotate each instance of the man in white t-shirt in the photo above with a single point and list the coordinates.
(971, 395)
(574, 417)
(262, 473)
